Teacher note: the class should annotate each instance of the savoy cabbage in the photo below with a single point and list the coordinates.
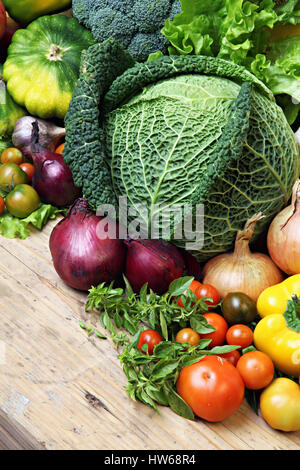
(180, 130)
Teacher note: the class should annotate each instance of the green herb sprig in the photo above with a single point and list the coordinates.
(151, 379)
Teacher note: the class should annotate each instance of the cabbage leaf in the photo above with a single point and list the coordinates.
(180, 130)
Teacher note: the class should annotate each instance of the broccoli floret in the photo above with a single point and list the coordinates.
(136, 24)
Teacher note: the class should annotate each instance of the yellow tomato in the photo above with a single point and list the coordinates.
(280, 404)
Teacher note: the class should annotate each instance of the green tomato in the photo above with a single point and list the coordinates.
(10, 176)
(238, 307)
(22, 201)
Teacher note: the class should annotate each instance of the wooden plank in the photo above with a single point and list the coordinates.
(63, 390)
(15, 437)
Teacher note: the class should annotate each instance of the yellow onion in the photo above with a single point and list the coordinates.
(242, 270)
(284, 235)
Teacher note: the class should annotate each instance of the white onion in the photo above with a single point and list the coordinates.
(284, 235)
(242, 270)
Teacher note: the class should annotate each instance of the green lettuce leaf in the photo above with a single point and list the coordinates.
(288, 11)
(239, 31)
(229, 29)
(12, 227)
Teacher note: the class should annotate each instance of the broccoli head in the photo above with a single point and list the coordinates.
(136, 24)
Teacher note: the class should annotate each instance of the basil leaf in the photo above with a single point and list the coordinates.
(179, 286)
(200, 325)
(248, 349)
(164, 368)
(118, 320)
(143, 293)
(223, 349)
(129, 291)
(167, 349)
(99, 334)
(129, 324)
(163, 326)
(157, 394)
(179, 405)
(188, 361)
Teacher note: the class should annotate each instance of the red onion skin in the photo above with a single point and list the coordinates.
(153, 261)
(53, 179)
(192, 266)
(80, 258)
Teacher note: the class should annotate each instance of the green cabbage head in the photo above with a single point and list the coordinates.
(180, 130)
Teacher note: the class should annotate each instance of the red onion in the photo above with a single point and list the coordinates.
(192, 267)
(52, 178)
(80, 257)
(154, 261)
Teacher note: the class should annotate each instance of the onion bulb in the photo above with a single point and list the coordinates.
(49, 134)
(80, 257)
(155, 262)
(242, 270)
(283, 238)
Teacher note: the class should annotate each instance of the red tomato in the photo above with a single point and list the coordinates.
(212, 387)
(150, 337)
(193, 287)
(206, 290)
(2, 19)
(217, 337)
(188, 335)
(240, 335)
(256, 369)
(60, 149)
(232, 356)
(29, 170)
(2, 204)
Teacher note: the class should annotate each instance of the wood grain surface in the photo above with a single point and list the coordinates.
(60, 389)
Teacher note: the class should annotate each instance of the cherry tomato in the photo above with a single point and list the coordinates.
(217, 337)
(238, 307)
(212, 387)
(22, 201)
(206, 290)
(12, 155)
(232, 356)
(60, 149)
(29, 170)
(150, 337)
(194, 288)
(2, 204)
(256, 369)
(241, 335)
(10, 176)
(188, 335)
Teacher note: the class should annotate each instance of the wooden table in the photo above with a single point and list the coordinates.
(60, 389)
